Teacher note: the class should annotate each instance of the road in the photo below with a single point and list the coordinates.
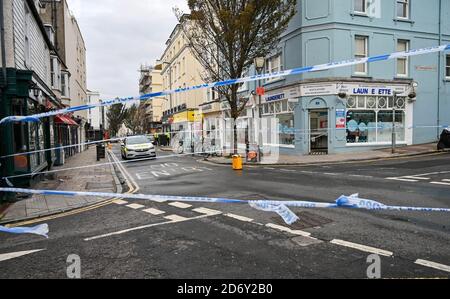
(140, 239)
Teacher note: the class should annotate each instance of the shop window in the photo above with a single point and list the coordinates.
(283, 111)
(361, 126)
(370, 119)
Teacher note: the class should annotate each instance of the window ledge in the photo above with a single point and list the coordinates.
(403, 78)
(359, 14)
(357, 76)
(274, 81)
(375, 144)
(404, 21)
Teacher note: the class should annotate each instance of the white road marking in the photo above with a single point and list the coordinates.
(288, 230)
(208, 212)
(240, 218)
(176, 218)
(309, 172)
(362, 248)
(135, 206)
(154, 211)
(120, 202)
(416, 178)
(402, 180)
(441, 183)
(143, 227)
(332, 174)
(446, 180)
(433, 265)
(180, 205)
(288, 170)
(13, 255)
(361, 176)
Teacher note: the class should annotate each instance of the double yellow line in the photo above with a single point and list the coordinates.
(132, 188)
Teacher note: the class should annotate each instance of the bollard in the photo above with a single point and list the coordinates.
(237, 162)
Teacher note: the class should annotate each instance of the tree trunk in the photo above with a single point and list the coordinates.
(235, 136)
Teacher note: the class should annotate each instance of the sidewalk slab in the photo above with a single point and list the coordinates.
(96, 179)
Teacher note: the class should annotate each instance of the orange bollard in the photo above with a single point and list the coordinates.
(237, 162)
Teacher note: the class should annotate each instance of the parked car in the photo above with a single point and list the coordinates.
(137, 147)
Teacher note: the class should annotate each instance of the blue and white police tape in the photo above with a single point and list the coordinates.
(279, 207)
(40, 230)
(291, 72)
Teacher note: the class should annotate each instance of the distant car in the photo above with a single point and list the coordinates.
(137, 147)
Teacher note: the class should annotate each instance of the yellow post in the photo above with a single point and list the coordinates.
(237, 162)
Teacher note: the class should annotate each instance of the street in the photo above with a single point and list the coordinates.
(141, 239)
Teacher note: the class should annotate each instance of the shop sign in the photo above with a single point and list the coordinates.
(318, 90)
(277, 97)
(180, 118)
(340, 119)
(350, 89)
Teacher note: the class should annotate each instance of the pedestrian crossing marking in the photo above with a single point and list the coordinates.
(207, 211)
(154, 211)
(175, 218)
(180, 205)
(120, 202)
(135, 206)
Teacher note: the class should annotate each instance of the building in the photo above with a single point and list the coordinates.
(352, 108)
(151, 81)
(63, 28)
(181, 69)
(27, 88)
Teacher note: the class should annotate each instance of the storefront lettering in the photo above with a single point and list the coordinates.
(275, 97)
(372, 91)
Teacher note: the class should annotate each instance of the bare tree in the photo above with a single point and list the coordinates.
(116, 115)
(227, 35)
(134, 119)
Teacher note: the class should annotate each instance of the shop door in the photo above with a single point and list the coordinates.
(318, 124)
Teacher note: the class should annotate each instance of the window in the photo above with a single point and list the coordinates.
(273, 65)
(27, 34)
(65, 84)
(361, 6)
(370, 119)
(403, 9)
(447, 67)
(361, 52)
(283, 111)
(403, 62)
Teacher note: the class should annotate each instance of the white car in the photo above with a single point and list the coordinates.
(138, 147)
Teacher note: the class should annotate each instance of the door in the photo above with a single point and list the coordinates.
(319, 131)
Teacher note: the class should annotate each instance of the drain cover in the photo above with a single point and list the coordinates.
(307, 220)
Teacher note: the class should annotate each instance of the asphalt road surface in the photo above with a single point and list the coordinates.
(141, 239)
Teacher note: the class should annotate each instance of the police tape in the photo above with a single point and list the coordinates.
(293, 131)
(291, 72)
(40, 230)
(279, 207)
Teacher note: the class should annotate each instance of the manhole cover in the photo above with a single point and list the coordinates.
(307, 220)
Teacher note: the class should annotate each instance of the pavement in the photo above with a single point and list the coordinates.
(92, 179)
(144, 239)
(283, 159)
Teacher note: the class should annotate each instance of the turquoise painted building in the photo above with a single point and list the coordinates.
(355, 108)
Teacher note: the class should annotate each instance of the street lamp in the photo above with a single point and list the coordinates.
(259, 66)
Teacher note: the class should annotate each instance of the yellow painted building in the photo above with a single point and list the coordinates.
(180, 69)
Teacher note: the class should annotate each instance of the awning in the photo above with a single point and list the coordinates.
(61, 119)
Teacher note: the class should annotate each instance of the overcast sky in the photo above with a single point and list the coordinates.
(120, 35)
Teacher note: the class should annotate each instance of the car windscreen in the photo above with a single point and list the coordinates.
(137, 140)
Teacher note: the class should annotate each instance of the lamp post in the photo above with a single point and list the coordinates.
(259, 66)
